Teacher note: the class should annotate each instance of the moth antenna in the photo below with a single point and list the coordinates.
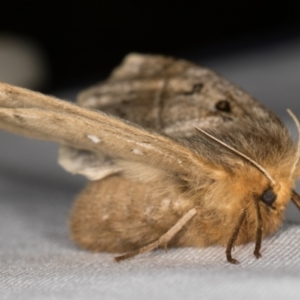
(258, 166)
(298, 146)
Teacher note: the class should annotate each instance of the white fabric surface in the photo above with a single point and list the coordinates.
(38, 261)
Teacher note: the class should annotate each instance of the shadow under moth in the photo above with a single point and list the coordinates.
(176, 156)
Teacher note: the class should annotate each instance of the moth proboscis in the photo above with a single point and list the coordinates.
(176, 156)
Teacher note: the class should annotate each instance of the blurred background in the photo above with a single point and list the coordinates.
(52, 45)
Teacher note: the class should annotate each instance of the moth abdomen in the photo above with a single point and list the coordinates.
(117, 214)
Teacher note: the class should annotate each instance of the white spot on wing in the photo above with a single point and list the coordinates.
(3, 94)
(165, 204)
(94, 138)
(137, 151)
(105, 217)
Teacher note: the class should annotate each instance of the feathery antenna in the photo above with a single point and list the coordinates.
(259, 167)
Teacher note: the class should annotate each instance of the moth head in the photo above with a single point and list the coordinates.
(270, 186)
(275, 182)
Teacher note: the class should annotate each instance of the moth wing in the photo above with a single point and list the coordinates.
(172, 96)
(43, 117)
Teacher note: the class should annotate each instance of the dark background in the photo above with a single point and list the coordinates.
(84, 40)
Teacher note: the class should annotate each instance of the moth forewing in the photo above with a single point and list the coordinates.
(97, 132)
(155, 180)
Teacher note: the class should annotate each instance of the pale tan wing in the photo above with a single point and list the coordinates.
(171, 96)
(43, 117)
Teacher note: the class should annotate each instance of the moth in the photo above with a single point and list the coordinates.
(176, 156)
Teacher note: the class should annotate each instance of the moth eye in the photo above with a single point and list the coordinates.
(268, 197)
(223, 105)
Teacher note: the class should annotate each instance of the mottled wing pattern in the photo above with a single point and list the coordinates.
(171, 96)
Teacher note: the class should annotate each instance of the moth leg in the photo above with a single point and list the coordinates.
(296, 199)
(164, 239)
(258, 232)
(233, 239)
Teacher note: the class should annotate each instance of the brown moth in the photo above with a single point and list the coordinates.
(177, 156)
